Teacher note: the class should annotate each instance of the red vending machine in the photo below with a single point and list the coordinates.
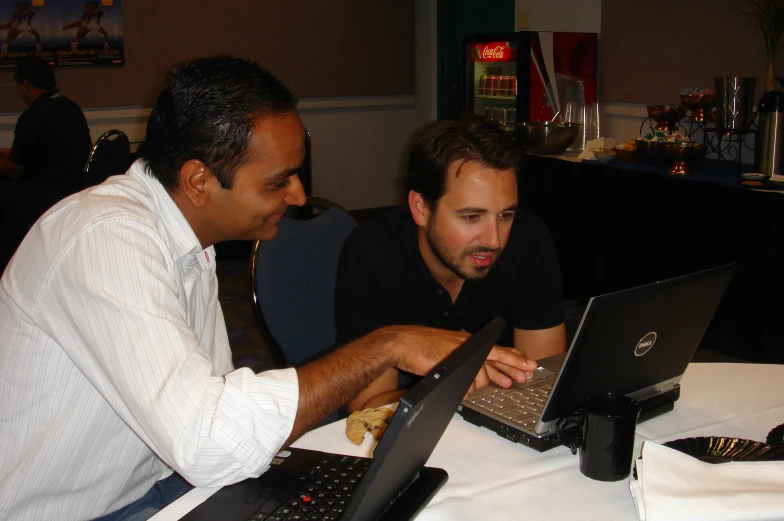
(528, 75)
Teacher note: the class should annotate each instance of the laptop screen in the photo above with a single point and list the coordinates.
(638, 340)
(418, 424)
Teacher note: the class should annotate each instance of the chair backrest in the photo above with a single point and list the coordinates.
(293, 281)
(110, 155)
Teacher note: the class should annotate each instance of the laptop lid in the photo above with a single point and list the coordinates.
(419, 422)
(637, 341)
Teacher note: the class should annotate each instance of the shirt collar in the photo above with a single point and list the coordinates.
(54, 93)
(183, 238)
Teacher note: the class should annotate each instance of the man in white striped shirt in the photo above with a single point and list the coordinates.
(115, 366)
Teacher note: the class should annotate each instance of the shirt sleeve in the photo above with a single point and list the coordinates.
(116, 306)
(25, 138)
(540, 304)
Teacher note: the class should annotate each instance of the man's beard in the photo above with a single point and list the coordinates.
(453, 261)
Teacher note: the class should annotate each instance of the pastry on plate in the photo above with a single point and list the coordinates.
(374, 421)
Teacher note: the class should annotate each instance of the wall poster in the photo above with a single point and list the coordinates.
(64, 32)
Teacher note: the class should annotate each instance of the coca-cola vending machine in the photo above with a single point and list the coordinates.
(528, 75)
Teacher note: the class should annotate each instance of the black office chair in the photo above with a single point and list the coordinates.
(110, 155)
(293, 281)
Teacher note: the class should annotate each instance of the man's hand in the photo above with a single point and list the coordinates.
(5, 152)
(502, 367)
(419, 349)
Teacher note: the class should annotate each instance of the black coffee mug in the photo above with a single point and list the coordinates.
(603, 430)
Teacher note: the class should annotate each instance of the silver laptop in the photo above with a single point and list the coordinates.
(636, 342)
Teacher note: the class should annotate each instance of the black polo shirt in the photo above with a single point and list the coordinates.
(383, 280)
(52, 141)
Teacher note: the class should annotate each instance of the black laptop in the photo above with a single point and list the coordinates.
(636, 342)
(394, 485)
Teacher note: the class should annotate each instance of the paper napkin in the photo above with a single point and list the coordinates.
(674, 486)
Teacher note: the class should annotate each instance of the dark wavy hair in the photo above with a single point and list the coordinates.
(207, 111)
(463, 138)
(37, 71)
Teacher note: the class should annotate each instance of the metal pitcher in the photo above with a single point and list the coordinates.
(734, 102)
(769, 144)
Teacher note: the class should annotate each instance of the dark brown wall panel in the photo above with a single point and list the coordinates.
(318, 49)
(652, 50)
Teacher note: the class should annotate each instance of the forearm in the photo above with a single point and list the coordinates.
(541, 343)
(378, 400)
(330, 382)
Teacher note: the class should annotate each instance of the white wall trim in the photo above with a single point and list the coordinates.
(9, 118)
(632, 110)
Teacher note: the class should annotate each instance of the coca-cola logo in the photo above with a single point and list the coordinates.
(494, 53)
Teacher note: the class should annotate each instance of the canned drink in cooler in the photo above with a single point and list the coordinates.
(511, 118)
(495, 85)
(505, 84)
(501, 116)
(482, 90)
(495, 113)
(512, 86)
(488, 113)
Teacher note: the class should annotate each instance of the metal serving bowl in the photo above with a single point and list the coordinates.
(667, 117)
(546, 138)
(681, 156)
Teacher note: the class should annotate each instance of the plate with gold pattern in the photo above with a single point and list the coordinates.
(714, 449)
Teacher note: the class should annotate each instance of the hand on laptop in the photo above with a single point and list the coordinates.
(423, 347)
(504, 365)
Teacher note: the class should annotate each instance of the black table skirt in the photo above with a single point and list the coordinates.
(615, 228)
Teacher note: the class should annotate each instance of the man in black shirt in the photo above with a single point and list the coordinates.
(460, 253)
(51, 139)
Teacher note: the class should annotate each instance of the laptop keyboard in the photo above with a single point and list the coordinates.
(320, 494)
(521, 404)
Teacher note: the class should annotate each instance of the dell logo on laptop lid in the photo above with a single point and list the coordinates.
(645, 344)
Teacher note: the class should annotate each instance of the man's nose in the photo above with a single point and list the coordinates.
(296, 193)
(490, 236)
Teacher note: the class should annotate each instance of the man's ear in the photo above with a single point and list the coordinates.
(196, 182)
(419, 208)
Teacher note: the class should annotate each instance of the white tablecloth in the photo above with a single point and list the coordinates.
(493, 478)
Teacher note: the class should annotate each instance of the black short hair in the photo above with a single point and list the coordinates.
(466, 137)
(37, 71)
(207, 111)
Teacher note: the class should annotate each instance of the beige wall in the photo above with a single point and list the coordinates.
(357, 142)
(577, 16)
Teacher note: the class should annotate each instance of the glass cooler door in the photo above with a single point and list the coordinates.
(491, 77)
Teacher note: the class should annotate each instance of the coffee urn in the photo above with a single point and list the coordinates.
(769, 145)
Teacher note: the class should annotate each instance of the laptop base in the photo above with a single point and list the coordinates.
(240, 501)
(417, 496)
(650, 408)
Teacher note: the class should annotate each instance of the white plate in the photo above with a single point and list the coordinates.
(753, 176)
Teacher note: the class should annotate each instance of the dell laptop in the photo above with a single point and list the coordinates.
(394, 485)
(636, 342)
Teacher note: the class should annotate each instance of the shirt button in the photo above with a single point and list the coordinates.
(446, 313)
(439, 291)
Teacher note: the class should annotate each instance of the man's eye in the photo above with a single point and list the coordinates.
(507, 216)
(470, 218)
(280, 185)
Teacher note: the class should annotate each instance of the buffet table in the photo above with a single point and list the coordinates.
(622, 224)
(493, 478)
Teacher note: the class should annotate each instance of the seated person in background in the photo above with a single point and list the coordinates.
(51, 139)
(116, 375)
(460, 253)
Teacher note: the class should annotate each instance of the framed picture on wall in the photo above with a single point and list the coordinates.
(65, 32)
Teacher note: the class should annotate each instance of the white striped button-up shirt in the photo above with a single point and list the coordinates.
(115, 366)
